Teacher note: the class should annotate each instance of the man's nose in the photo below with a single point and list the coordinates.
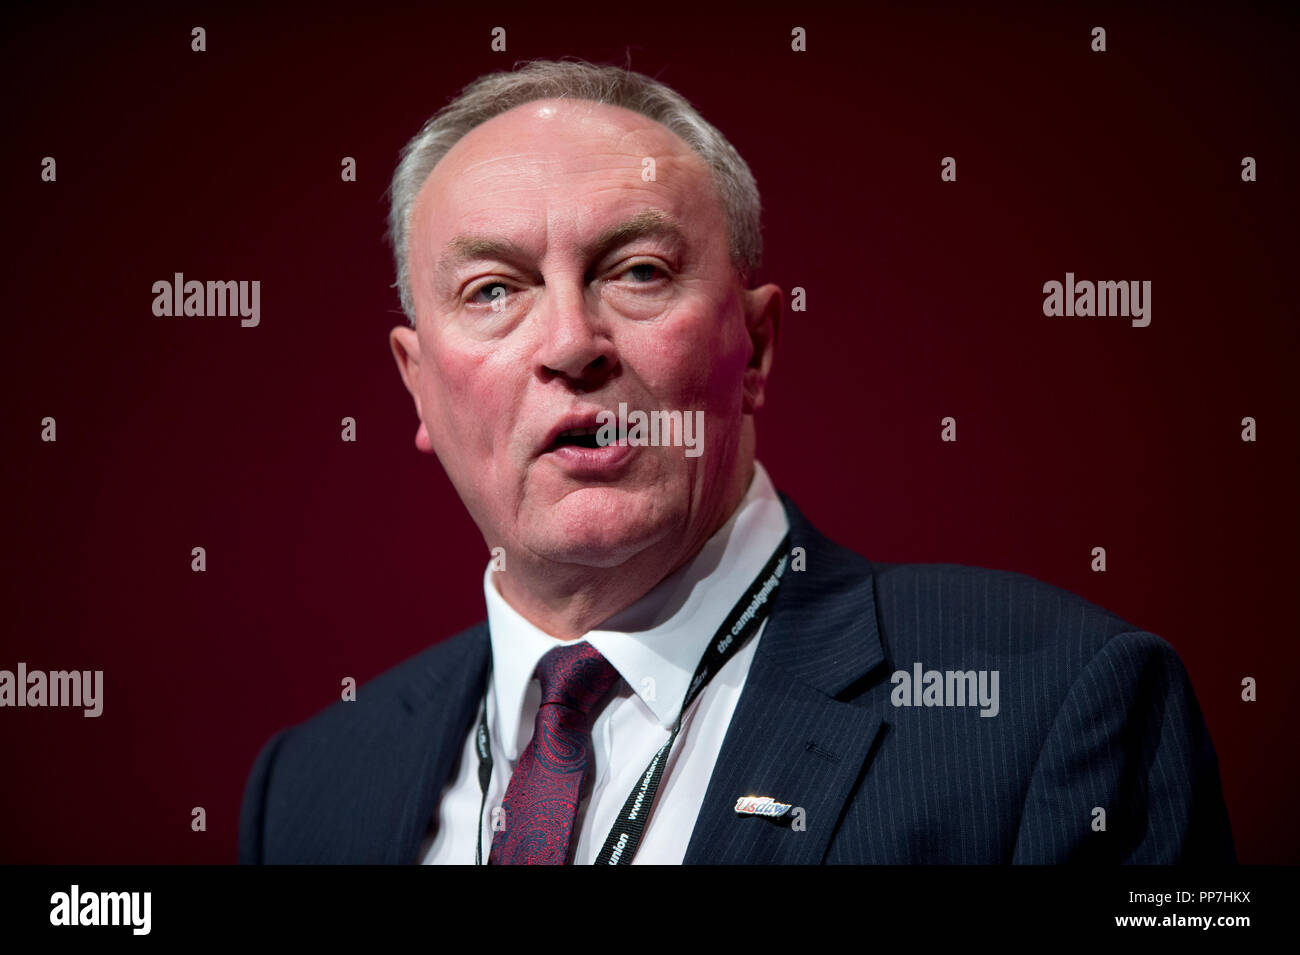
(575, 343)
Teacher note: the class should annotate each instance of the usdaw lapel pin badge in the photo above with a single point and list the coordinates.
(761, 806)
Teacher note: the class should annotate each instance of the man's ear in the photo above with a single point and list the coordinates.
(405, 343)
(763, 307)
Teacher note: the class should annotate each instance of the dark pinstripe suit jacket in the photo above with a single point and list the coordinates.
(1093, 714)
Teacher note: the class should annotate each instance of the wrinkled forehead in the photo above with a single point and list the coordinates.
(573, 163)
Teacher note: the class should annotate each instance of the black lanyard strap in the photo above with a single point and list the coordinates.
(741, 623)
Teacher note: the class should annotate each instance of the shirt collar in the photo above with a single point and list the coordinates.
(656, 643)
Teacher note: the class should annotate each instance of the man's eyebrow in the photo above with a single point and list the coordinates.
(648, 222)
(466, 248)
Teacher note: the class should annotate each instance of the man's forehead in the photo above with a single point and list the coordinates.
(546, 155)
(554, 126)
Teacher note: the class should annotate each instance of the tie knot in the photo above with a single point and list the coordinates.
(575, 675)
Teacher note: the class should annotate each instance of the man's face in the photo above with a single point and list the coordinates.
(552, 281)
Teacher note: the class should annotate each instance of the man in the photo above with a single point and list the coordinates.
(676, 666)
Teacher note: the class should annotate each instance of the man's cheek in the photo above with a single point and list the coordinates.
(458, 373)
(709, 379)
(706, 332)
(682, 360)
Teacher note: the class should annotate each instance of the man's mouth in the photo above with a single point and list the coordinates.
(587, 444)
(576, 437)
(582, 438)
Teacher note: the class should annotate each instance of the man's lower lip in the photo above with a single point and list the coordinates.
(573, 457)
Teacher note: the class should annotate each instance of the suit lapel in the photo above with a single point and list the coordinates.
(790, 737)
(442, 703)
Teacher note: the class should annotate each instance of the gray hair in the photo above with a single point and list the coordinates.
(496, 93)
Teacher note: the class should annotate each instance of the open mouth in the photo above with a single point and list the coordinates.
(582, 438)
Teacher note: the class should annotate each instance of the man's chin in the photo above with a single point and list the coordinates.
(600, 527)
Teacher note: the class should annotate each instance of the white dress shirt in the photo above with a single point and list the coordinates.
(655, 645)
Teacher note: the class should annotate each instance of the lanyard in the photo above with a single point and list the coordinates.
(741, 624)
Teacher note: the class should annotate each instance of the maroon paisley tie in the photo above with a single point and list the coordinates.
(545, 789)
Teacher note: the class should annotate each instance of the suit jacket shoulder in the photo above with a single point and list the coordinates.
(937, 713)
(358, 781)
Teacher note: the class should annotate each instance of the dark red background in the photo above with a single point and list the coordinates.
(328, 560)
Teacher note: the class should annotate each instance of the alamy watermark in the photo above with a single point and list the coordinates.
(76, 907)
(179, 297)
(1100, 299)
(84, 688)
(923, 687)
(675, 429)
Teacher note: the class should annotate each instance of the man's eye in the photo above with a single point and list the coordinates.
(488, 292)
(643, 273)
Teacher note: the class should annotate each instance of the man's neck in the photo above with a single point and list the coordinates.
(568, 601)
